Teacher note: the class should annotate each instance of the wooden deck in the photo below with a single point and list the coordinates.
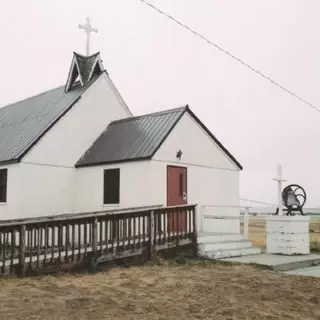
(51, 244)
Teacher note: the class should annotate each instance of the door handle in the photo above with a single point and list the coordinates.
(184, 196)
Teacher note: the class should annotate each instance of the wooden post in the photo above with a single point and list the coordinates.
(246, 223)
(194, 232)
(60, 242)
(198, 212)
(13, 248)
(92, 262)
(22, 249)
(151, 235)
(178, 216)
(199, 215)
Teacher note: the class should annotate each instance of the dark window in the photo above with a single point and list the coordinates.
(3, 185)
(111, 186)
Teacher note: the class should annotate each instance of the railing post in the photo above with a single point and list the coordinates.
(200, 216)
(60, 242)
(246, 223)
(92, 262)
(194, 231)
(198, 213)
(178, 216)
(151, 235)
(22, 250)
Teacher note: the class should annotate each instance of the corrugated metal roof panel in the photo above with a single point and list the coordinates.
(24, 122)
(132, 138)
(86, 65)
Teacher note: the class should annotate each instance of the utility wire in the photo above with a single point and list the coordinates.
(276, 83)
(259, 202)
(275, 205)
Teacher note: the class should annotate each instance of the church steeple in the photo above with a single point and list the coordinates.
(83, 68)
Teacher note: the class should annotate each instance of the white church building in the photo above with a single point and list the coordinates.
(78, 148)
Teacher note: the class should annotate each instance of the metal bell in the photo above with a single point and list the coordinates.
(292, 200)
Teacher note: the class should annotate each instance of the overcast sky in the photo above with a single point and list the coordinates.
(157, 65)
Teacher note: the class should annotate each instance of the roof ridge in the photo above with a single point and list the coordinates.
(91, 55)
(152, 114)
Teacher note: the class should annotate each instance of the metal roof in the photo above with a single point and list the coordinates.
(135, 138)
(139, 138)
(23, 123)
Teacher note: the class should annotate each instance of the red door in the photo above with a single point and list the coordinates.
(176, 195)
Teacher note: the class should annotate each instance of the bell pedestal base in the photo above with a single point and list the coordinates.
(288, 235)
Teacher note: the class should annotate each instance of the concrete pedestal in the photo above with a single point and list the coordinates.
(288, 235)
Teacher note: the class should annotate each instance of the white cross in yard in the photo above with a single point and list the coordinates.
(279, 179)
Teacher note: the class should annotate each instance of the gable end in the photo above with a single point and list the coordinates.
(210, 134)
(207, 131)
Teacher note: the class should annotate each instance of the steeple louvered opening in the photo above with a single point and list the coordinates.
(83, 68)
(96, 69)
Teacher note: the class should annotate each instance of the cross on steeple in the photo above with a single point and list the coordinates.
(88, 29)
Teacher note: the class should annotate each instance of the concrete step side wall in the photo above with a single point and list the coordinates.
(213, 238)
(236, 252)
(227, 245)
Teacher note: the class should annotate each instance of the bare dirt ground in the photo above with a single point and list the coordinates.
(257, 232)
(195, 290)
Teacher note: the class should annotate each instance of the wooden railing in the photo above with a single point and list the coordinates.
(55, 243)
(211, 216)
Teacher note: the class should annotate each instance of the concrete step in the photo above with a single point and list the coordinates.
(224, 245)
(234, 252)
(308, 272)
(218, 237)
(280, 262)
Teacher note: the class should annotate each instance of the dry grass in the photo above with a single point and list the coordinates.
(196, 290)
(257, 232)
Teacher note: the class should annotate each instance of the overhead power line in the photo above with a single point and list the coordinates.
(259, 202)
(245, 64)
